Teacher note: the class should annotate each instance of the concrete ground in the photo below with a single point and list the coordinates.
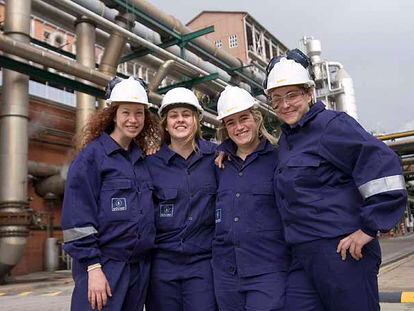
(45, 291)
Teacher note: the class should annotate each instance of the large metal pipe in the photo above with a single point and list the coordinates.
(85, 55)
(14, 142)
(133, 38)
(52, 60)
(161, 74)
(66, 20)
(395, 135)
(71, 67)
(136, 39)
(115, 46)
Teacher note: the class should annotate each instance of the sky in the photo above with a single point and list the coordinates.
(373, 39)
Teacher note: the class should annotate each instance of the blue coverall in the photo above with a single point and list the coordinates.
(250, 257)
(185, 191)
(108, 218)
(332, 179)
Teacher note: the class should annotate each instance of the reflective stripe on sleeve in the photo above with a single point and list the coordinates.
(381, 185)
(77, 233)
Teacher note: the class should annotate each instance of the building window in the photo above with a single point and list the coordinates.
(233, 41)
(218, 43)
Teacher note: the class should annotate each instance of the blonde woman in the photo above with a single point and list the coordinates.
(183, 173)
(250, 258)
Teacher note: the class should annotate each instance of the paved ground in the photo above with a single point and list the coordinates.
(45, 291)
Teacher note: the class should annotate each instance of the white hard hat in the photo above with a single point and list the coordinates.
(288, 72)
(232, 100)
(129, 90)
(179, 95)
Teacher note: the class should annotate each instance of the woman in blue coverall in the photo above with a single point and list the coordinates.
(250, 258)
(183, 173)
(336, 186)
(108, 212)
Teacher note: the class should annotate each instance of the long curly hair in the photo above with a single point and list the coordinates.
(103, 121)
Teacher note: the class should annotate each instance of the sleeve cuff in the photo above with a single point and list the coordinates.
(370, 232)
(92, 261)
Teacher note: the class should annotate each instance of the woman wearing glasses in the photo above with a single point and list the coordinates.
(185, 188)
(337, 187)
(108, 214)
(250, 257)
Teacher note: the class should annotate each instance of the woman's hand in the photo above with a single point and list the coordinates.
(151, 151)
(220, 159)
(354, 243)
(98, 289)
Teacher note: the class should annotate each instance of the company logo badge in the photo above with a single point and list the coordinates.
(118, 204)
(166, 210)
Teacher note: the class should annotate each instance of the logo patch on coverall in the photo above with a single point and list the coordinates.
(166, 210)
(118, 204)
(218, 215)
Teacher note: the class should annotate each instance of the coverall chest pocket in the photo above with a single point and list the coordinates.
(209, 194)
(223, 211)
(117, 199)
(303, 179)
(265, 210)
(168, 216)
(303, 170)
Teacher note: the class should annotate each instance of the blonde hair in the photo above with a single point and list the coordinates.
(222, 133)
(195, 135)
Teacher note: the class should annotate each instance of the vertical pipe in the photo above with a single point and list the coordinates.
(85, 55)
(114, 48)
(161, 74)
(14, 141)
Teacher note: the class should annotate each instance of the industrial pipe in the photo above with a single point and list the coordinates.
(14, 143)
(71, 6)
(85, 55)
(395, 135)
(161, 74)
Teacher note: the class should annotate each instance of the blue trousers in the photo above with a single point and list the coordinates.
(319, 280)
(181, 285)
(264, 292)
(128, 282)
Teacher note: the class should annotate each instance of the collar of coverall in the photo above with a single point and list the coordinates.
(229, 147)
(167, 154)
(110, 146)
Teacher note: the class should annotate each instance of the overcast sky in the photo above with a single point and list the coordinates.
(373, 39)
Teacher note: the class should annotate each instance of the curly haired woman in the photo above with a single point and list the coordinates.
(108, 213)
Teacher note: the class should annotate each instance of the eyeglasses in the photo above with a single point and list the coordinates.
(296, 55)
(290, 98)
(115, 80)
